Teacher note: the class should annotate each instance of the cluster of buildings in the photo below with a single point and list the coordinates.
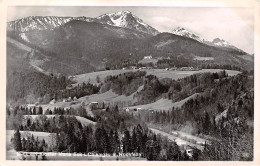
(148, 57)
(132, 109)
(183, 69)
(69, 99)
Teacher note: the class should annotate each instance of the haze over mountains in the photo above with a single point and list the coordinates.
(75, 45)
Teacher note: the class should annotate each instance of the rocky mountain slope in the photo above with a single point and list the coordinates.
(127, 20)
(123, 19)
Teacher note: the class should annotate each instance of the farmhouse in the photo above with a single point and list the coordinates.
(30, 106)
(138, 109)
(69, 99)
(94, 105)
(148, 57)
(69, 77)
(67, 108)
(52, 101)
(189, 151)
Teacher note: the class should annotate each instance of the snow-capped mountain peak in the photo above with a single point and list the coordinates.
(179, 29)
(126, 19)
(123, 19)
(124, 12)
(41, 22)
(220, 42)
(183, 32)
(223, 43)
(217, 42)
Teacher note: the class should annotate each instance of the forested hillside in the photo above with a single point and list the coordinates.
(223, 111)
(33, 85)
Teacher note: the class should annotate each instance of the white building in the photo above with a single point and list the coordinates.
(52, 101)
(67, 108)
(138, 109)
(148, 57)
(69, 99)
(30, 106)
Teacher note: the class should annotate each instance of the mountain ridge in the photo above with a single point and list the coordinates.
(124, 19)
(217, 42)
(79, 46)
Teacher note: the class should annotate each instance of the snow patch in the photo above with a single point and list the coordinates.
(24, 37)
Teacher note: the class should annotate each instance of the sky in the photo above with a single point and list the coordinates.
(235, 25)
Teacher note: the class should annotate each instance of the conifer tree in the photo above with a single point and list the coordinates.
(40, 111)
(34, 111)
(116, 142)
(17, 141)
(134, 142)
(126, 141)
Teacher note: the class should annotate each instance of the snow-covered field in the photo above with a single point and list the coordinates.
(164, 104)
(18, 44)
(82, 120)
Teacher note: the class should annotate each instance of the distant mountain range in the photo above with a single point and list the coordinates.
(75, 45)
(123, 19)
(215, 42)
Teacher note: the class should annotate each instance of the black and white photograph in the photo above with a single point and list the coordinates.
(129, 83)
